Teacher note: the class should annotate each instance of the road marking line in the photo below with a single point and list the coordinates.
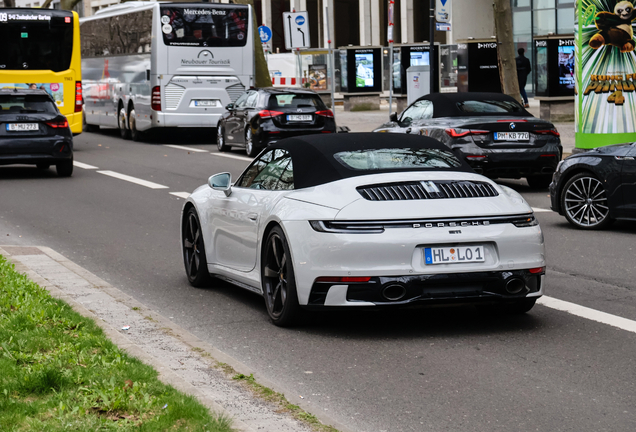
(183, 195)
(83, 165)
(192, 149)
(540, 210)
(135, 180)
(591, 314)
(231, 156)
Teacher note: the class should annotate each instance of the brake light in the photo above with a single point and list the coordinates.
(548, 132)
(155, 102)
(537, 270)
(548, 155)
(269, 114)
(475, 157)
(78, 96)
(57, 124)
(345, 279)
(325, 113)
(458, 133)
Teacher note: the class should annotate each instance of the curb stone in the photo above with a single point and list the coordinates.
(181, 359)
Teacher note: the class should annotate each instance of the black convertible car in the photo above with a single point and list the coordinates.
(491, 131)
(594, 188)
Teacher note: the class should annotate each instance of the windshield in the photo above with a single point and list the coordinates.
(15, 104)
(36, 40)
(396, 159)
(292, 100)
(212, 26)
(489, 107)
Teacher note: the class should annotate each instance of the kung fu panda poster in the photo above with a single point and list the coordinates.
(605, 103)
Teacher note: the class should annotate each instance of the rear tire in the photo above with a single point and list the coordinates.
(220, 139)
(64, 169)
(539, 181)
(132, 125)
(250, 148)
(121, 123)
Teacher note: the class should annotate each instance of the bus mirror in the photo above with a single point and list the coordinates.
(147, 74)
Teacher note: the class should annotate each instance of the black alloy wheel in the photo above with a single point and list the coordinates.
(541, 181)
(121, 123)
(65, 168)
(584, 202)
(132, 126)
(196, 265)
(250, 147)
(220, 139)
(279, 281)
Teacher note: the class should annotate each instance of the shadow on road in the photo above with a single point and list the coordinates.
(26, 172)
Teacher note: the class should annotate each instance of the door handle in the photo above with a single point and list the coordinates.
(252, 216)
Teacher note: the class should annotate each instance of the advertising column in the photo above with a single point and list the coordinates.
(605, 108)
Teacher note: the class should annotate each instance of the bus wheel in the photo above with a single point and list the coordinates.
(121, 124)
(132, 125)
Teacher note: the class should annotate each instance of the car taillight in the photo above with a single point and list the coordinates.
(343, 279)
(78, 96)
(155, 102)
(57, 124)
(458, 133)
(269, 113)
(325, 113)
(548, 132)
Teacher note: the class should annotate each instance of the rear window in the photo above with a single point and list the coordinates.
(489, 107)
(204, 26)
(30, 42)
(16, 104)
(396, 159)
(292, 100)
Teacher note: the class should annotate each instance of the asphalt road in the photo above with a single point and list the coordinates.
(415, 370)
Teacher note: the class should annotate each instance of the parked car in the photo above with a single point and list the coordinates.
(492, 131)
(364, 220)
(594, 188)
(32, 131)
(261, 117)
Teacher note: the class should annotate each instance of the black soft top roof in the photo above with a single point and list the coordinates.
(445, 104)
(314, 163)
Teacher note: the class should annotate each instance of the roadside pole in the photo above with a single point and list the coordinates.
(333, 69)
(390, 37)
(431, 40)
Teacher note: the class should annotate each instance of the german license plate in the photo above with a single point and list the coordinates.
(297, 117)
(454, 255)
(205, 103)
(22, 127)
(512, 136)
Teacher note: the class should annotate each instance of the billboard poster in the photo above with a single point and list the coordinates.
(317, 77)
(364, 70)
(420, 58)
(605, 106)
(566, 68)
(56, 90)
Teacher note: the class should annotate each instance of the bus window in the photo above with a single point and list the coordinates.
(204, 26)
(36, 45)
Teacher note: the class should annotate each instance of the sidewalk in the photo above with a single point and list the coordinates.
(182, 360)
(366, 121)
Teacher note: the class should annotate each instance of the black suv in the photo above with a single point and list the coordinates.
(263, 116)
(32, 131)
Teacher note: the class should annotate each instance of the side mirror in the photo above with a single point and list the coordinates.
(221, 182)
(229, 106)
(393, 117)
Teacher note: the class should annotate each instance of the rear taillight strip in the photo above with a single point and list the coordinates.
(155, 102)
(79, 99)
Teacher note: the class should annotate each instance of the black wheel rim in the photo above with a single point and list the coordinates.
(586, 202)
(275, 276)
(192, 246)
(219, 137)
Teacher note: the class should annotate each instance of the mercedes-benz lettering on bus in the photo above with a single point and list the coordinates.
(149, 64)
(40, 48)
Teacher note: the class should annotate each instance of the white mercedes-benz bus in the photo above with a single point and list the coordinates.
(154, 64)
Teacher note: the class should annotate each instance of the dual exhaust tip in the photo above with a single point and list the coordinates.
(396, 292)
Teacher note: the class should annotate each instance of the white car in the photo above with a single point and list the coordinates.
(364, 220)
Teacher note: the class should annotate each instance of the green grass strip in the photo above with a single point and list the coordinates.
(58, 372)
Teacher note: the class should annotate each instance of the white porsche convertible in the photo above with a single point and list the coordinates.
(364, 220)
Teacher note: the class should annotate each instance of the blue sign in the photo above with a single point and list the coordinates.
(300, 20)
(265, 33)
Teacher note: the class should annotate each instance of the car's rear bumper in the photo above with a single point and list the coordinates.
(185, 120)
(516, 163)
(35, 150)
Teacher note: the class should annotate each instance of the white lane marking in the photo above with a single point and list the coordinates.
(83, 165)
(591, 314)
(231, 156)
(540, 210)
(135, 180)
(192, 149)
(183, 195)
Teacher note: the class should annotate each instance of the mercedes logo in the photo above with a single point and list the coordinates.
(512, 126)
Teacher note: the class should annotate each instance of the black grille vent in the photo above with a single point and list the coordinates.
(427, 190)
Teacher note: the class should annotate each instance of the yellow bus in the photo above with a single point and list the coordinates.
(40, 48)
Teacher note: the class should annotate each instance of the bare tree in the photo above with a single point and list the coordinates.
(9, 3)
(261, 70)
(506, 49)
